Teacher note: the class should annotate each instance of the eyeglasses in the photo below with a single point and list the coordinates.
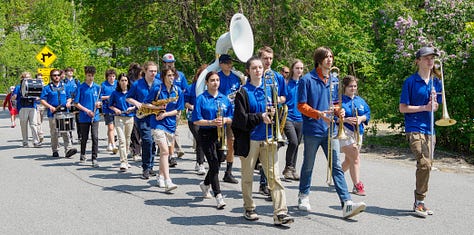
(55, 75)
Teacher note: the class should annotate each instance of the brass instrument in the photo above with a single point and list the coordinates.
(356, 129)
(283, 114)
(146, 111)
(445, 120)
(221, 130)
(270, 76)
(270, 143)
(334, 70)
(341, 134)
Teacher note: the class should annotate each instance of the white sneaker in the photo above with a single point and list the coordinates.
(110, 148)
(202, 170)
(303, 203)
(196, 167)
(205, 190)
(169, 186)
(123, 166)
(351, 209)
(129, 166)
(161, 181)
(220, 201)
(137, 158)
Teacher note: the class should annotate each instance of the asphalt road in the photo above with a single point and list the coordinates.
(45, 195)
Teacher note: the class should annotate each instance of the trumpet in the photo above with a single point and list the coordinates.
(221, 130)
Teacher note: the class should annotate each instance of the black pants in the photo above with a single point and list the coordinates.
(294, 134)
(214, 156)
(84, 129)
(199, 153)
(135, 140)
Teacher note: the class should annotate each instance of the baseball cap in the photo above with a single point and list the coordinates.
(168, 58)
(224, 58)
(424, 51)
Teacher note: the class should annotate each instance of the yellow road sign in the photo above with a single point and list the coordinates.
(46, 57)
(45, 72)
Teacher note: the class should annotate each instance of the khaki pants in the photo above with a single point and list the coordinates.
(124, 127)
(420, 146)
(55, 137)
(260, 150)
(29, 116)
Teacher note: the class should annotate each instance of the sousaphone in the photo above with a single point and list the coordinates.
(239, 38)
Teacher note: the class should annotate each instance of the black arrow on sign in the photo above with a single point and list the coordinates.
(44, 56)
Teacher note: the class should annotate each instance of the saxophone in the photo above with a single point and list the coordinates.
(145, 111)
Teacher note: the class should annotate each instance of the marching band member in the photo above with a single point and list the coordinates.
(137, 94)
(189, 102)
(107, 87)
(163, 124)
(213, 110)
(265, 53)
(294, 122)
(418, 102)
(134, 73)
(229, 84)
(72, 84)
(123, 118)
(314, 100)
(88, 102)
(53, 97)
(182, 83)
(11, 104)
(27, 113)
(250, 126)
(357, 115)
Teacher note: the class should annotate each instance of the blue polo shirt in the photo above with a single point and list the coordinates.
(257, 101)
(140, 89)
(106, 90)
(190, 94)
(71, 87)
(294, 114)
(350, 105)
(54, 95)
(119, 100)
(416, 92)
(207, 105)
(228, 84)
(167, 124)
(180, 81)
(87, 96)
(313, 91)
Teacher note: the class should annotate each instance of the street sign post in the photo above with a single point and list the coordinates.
(157, 49)
(45, 72)
(46, 57)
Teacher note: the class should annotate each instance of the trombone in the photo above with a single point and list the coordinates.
(221, 130)
(271, 103)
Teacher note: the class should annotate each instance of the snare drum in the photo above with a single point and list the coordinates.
(31, 87)
(64, 122)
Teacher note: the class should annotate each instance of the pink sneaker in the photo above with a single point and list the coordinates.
(359, 189)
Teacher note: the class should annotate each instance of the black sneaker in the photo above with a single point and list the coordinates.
(250, 215)
(146, 174)
(229, 178)
(55, 154)
(152, 172)
(71, 152)
(173, 162)
(264, 190)
(283, 219)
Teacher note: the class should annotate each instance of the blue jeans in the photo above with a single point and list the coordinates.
(311, 146)
(148, 158)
